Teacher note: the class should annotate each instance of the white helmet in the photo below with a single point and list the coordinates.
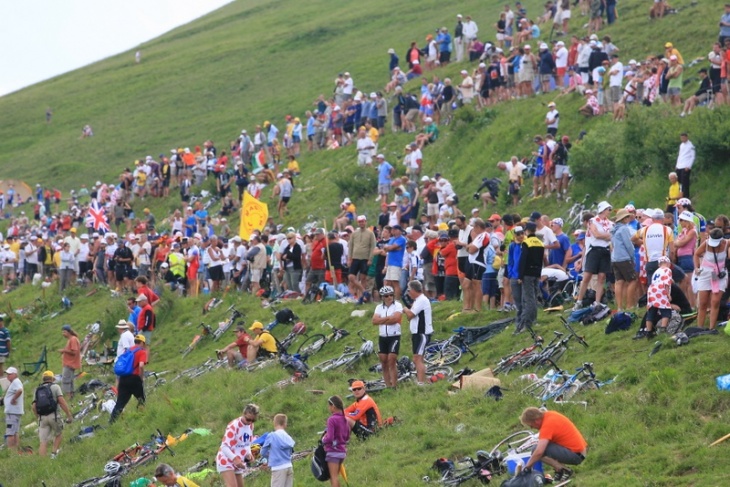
(367, 348)
(112, 468)
(95, 328)
(386, 290)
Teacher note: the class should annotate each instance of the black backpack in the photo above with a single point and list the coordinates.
(285, 316)
(525, 479)
(319, 466)
(45, 403)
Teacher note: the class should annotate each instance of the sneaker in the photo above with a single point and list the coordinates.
(563, 474)
(682, 115)
(378, 198)
(578, 306)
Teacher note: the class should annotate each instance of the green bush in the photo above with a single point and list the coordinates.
(357, 183)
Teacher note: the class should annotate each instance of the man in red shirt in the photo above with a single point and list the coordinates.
(146, 318)
(559, 441)
(142, 288)
(132, 385)
(236, 351)
(317, 266)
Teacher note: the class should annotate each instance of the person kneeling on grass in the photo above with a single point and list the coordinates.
(166, 475)
(263, 346)
(363, 415)
(559, 442)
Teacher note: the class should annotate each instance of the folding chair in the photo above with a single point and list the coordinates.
(32, 368)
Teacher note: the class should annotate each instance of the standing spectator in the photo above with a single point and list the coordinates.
(622, 260)
(710, 276)
(146, 320)
(466, 87)
(215, 263)
(278, 449)
(470, 30)
(335, 439)
(5, 346)
(725, 25)
(362, 246)
(598, 258)
(444, 46)
(685, 160)
(66, 270)
(546, 67)
(559, 441)
(126, 337)
(13, 402)
(47, 398)
(459, 39)
(552, 119)
(387, 317)
(385, 177)
(421, 326)
(674, 75)
(394, 60)
(395, 249)
(71, 359)
(235, 450)
(616, 75)
(133, 384)
(530, 267)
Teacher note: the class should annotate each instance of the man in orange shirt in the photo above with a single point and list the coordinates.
(363, 415)
(559, 441)
(70, 359)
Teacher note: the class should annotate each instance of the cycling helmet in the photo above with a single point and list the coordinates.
(300, 328)
(95, 328)
(386, 290)
(112, 468)
(367, 348)
(681, 339)
(684, 202)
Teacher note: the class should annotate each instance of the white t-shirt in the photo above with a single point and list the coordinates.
(384, 311)
(478, 242)
(14, 387)
(555, 116)
(347, 87)
(30, 256)
(144, 253)
(548, 236)
(432, 50)
(126, 341)
(617, 78)
(83, 254)
(552, 273)
(655, 241)
(421, 322)
(561, 58)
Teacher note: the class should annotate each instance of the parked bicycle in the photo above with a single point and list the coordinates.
(223, 326)
(315, 343)
(448, 351)
(207, 331)
(349, 357)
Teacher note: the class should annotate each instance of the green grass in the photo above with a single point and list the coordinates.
(259, 60)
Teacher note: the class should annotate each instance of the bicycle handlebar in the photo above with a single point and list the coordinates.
(327, 323)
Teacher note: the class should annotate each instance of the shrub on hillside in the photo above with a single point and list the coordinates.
(358, 183)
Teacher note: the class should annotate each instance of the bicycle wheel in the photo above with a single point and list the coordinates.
(375, 386)
(438, 354)
(312, 345)
(513, 439)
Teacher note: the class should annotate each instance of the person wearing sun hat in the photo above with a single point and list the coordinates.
(50, 424)
(710, 276)
(263, 346)
(598, 257)
(363, 415)
(622, 260)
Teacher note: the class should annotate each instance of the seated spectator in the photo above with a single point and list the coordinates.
(237, 350)
(363, 415)
(591, 107)
(429, 135)
(263, 346)
(702, 95)
(476, 50)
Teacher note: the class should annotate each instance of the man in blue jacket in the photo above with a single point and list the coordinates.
(513, 270)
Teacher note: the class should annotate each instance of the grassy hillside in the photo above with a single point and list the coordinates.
(257, 60)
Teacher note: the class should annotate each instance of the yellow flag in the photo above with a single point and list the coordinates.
(254, 214)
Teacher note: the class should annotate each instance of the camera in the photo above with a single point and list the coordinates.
(722, 274)
(475, 196)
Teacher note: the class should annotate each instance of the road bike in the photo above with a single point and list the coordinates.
(314, 343)
(349, 357)
(223, 326)
(194, 372)
(207, 331)
(448, 351)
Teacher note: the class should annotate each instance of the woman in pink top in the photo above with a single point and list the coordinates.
(686, 244)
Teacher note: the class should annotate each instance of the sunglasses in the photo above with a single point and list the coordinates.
(357, 389)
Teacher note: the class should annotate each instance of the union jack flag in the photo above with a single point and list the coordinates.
(96, 217)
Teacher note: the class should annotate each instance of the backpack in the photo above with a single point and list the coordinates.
(285, 316)
(676, 323)
(319, 464)
(619, 322)
(45, 403)
(597, 314)
(125, 363)
(578, 315)
(525, 479)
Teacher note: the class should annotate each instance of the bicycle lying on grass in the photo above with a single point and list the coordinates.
(349, 357)
(314, 343)
(448, 351)
(223, 326)
(207, 331)
(561, 386)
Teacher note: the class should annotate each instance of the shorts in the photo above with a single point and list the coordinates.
(540, 171)
(388, 345)
(392, 273)
(444, 57)
(349, 128)
(674, 91)
(686, 263)
(8, 271)
(256, 275)
(700, 99)
(3, 358)
(383, 188)
(561, 72)
(364, 158)
(562, 454)
(561, 171)
(615, 92)
(463, 264)
(121, 271)
(624, 271)
(359, 266)
(381, 122)
(315, 276)
(598, 261)
(654, 314)
(337, 131)
(545, 78)
(12, 424)
(474, 272)
(285, 199)
(419, 342)
(296, 139)
(216, 273)
(489, 284)
(67, 380)
(552, 131)
(412, 114)
(432, 209)
(50, 427)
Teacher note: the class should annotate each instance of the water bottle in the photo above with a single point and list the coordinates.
(723, 382)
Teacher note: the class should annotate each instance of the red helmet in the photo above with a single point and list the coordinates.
(300, 328)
